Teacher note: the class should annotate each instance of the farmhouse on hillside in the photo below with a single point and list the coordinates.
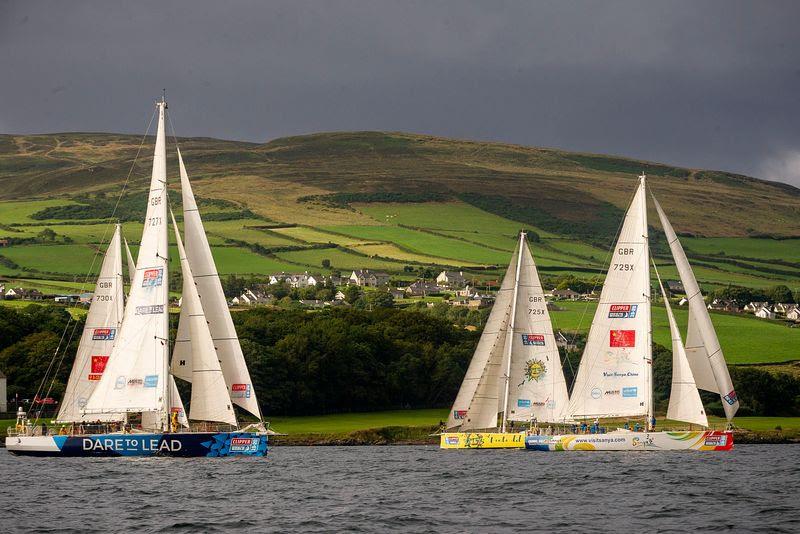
(422, 288)
(451, 279)
(367, 278)
(765, 312)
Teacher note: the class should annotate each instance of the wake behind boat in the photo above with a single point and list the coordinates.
(121, 398)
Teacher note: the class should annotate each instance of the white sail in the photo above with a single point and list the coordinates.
(136, 377)
(131, 264)
(537, 388)
(684, 399)
(614, 378)
(480, 397)
(210, 400)
(229, 351)
(704, 331)
(152, 420)
(97, 339)
(181, 365)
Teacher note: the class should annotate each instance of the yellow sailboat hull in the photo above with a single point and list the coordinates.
(482, 440)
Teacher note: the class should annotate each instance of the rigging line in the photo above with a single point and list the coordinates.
(85, 280)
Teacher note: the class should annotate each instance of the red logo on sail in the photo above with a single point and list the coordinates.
(98, 366)
(153, 277)
(622, 338)
(459, 414)
(240, 391)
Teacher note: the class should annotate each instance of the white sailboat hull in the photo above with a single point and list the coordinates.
(701, 440)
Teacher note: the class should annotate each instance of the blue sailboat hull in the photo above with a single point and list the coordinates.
(181, 444)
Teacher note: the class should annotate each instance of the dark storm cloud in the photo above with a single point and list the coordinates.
(703, 84)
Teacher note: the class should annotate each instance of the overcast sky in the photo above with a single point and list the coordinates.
(713, 84)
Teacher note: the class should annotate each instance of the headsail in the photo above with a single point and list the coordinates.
(131, 263)
(614, 375)
(97, 340)
(536, 382)
(136, 378)
(703, 349)
(229, 351)
(210, 399)
(480, 397)
(684, 399)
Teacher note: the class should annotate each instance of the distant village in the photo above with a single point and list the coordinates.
(314, 291)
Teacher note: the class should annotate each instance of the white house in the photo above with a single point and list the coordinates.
(765, 312)
(302, 280)
(783, 307)
(451, 279)
(277, 278)
(339, 296)
(367, 278)
(753, 307)
(793, 314)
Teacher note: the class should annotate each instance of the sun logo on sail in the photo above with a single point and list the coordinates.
(535, 370)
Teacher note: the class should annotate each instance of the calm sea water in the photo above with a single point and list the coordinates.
(754, 488)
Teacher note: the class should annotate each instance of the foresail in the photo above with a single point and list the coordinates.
(702, 322)
(479, 398)
(97, 339)
(614, 375)
(210, 400)
(181, 365)
(135, 379)
(697, 357)
(537, 388)
(209, 287)
(684, 399)
(176, 404)
(131, 263)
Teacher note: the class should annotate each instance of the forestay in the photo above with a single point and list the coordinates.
(97, 340)
(210, 400)
(614, 375)
(704, 352)
(135, 379)
(209, 288)
(537, 388)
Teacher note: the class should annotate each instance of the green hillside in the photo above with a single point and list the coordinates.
(391, 201)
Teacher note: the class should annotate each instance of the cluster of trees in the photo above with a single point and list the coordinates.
(743, 295)
(350, 359)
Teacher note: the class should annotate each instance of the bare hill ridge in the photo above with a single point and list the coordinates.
(306, 178)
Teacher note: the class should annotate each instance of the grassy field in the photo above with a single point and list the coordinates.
(744, 338)
(765, 249)
(75, 312)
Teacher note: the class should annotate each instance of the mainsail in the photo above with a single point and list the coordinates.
(136, 379)
(537, 389)
(684, 399)
(210, 400)
(98, 337)
(704, 352)
(614, 378)
(223, 333)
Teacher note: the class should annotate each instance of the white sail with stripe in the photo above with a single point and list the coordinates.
(210, 400)
(136, 376)
(614, 377)
(703, 349)
(480, 397)
(209, 288)
(537, 388)
(684, 399)
(98, 338)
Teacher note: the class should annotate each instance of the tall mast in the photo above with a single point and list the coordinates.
(510, 334)
(165, 372)
(649, 296)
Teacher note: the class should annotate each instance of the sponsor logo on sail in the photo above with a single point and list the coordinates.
(120, 383)
(104, 334)
(617, 374)
(135, 382)
(459, 414)
(153, 277)
(630, 392)
(151, 381)
(523, 403)
(533, 339)
(240, 391)
(596, 393)
(98, 365)
(176, 409)
(716, 441)
(611, 392)
(535, 370)
(244, 444)
(731, 398)
(150, 310)
(622, 311)
(622, 338)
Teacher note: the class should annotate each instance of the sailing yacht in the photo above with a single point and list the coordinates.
(615, 377)
(122, 398)
(515, 374)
